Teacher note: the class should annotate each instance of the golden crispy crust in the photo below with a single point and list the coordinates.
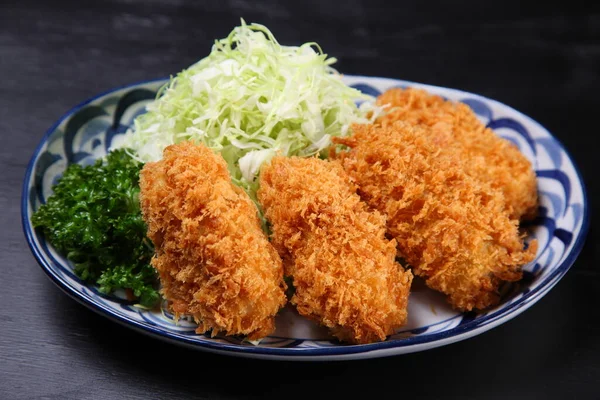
(343, 268)
(214, 261)
(450, 227)
(492, 159)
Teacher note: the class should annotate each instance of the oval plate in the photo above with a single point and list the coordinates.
(87, 131)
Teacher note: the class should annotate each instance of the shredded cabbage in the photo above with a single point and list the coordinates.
(250, 99)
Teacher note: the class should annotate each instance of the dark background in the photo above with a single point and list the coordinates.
(542, 59)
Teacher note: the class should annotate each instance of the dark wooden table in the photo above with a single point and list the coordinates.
(540, 59)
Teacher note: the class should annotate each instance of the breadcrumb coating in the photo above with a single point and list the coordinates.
(451, 228)
(214, 261)
(491, 158)
(344, 270)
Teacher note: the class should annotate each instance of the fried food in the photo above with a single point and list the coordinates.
(344, 270)
(214, 261)
(492, 159)
(451, 228)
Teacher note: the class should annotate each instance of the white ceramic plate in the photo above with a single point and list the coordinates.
(86, 132)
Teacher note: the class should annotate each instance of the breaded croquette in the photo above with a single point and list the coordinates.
(343, 268)
(491, 158)
(450, 227)
(214, 261)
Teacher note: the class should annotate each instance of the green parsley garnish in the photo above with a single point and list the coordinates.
(94, 219)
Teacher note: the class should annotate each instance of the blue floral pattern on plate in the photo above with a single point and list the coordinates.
(88, 130)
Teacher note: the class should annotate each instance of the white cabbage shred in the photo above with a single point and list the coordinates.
(251, 99)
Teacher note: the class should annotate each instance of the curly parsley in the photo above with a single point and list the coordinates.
(94, 219)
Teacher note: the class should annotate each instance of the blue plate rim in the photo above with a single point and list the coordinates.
(504, 314)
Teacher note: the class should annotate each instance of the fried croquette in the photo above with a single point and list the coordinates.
(492, 158)
(343, 268)
(214, 261)
(450, 227)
